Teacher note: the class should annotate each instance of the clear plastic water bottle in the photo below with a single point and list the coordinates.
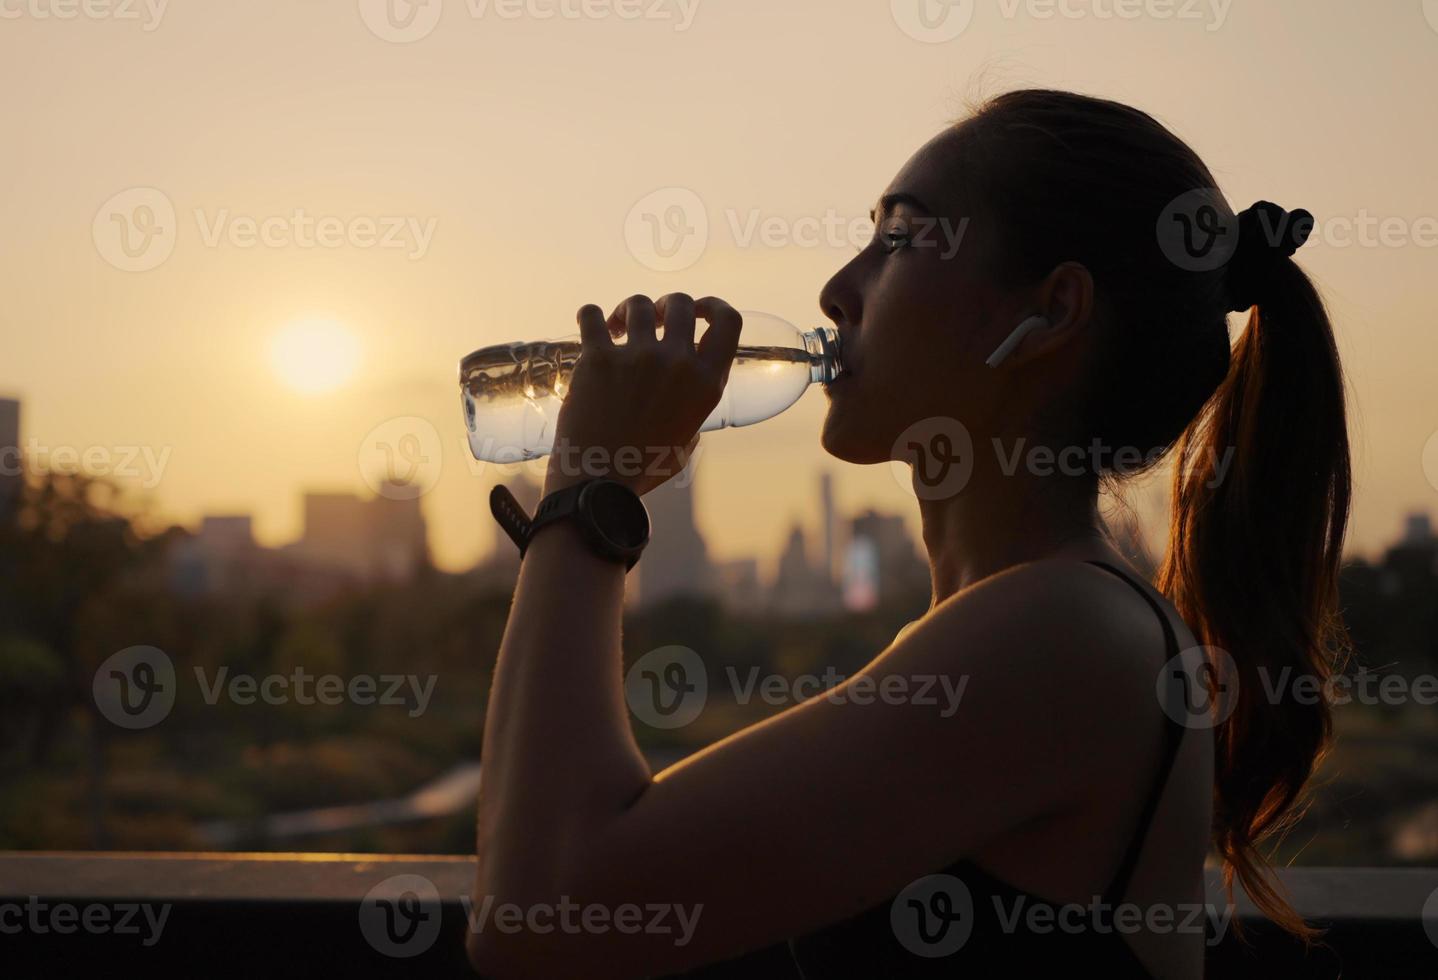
(511, 393)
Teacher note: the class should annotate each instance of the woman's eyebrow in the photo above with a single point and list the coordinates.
(890, 201)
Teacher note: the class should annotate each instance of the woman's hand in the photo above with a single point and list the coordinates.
(633, 410)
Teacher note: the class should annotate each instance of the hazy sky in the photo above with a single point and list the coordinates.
(479, 165)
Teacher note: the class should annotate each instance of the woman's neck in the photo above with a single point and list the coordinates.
(1006, 521)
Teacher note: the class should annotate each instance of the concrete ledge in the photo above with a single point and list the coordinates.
(278, 915)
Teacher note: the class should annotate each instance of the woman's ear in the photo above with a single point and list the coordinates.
(1064, 308)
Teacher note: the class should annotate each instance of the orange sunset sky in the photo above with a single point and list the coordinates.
(480, 164)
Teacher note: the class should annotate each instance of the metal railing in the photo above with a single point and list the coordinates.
(353, 916)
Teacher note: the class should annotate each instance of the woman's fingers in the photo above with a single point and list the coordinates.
(721, 340)
(593, 331)
(635, 316)
(676, 312)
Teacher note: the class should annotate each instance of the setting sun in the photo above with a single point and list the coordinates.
(315, 355)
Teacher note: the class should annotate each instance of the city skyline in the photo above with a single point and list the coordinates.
(685, 556)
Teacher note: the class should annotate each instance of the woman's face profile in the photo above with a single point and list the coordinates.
(915, 315)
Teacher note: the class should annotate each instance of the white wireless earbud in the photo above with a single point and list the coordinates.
(1002, 352)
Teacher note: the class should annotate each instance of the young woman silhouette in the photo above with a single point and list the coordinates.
(878, 837)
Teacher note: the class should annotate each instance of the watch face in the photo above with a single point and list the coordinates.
(617, 513)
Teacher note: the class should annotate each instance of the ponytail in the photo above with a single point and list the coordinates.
(1261, 494)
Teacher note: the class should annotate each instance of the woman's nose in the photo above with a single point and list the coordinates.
(839, 299)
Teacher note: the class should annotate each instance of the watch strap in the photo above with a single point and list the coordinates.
(511, 517)
(556, 507)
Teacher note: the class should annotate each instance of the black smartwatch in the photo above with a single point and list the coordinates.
(610, 516)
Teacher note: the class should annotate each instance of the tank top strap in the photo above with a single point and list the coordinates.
(1175, 708)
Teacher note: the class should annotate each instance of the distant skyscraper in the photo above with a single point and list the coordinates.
(227, 534)
(336, 533)
(1411, 565)
(830, 529)
(800, 588)
(383, 538)
(883, 563)
(11, 465)
(397, 536)
(1417, 529)
(220, 557)
(676, 561)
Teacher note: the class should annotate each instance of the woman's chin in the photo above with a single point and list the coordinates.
(843, 439)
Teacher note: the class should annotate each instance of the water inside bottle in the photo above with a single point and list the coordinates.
(512, 393)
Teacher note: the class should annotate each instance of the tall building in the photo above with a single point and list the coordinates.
(1418, 530)
(379, 539)
(829, 531)
(12, 468)
(1411, 565)
(220, 557)
(801, 588)
(676, 561)
(883, 563)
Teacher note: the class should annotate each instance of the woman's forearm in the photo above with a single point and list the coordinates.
(559, 756)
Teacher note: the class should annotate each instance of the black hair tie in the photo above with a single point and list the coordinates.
(1267, 235)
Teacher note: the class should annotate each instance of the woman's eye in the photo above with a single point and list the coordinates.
(895, 240)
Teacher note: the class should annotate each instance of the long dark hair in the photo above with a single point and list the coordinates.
(1261, 483)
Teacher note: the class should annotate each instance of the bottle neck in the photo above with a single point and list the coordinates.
(822, 343)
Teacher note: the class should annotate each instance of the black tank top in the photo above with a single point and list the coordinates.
(961, 922)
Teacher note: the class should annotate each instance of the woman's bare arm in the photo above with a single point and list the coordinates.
(812, 815)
